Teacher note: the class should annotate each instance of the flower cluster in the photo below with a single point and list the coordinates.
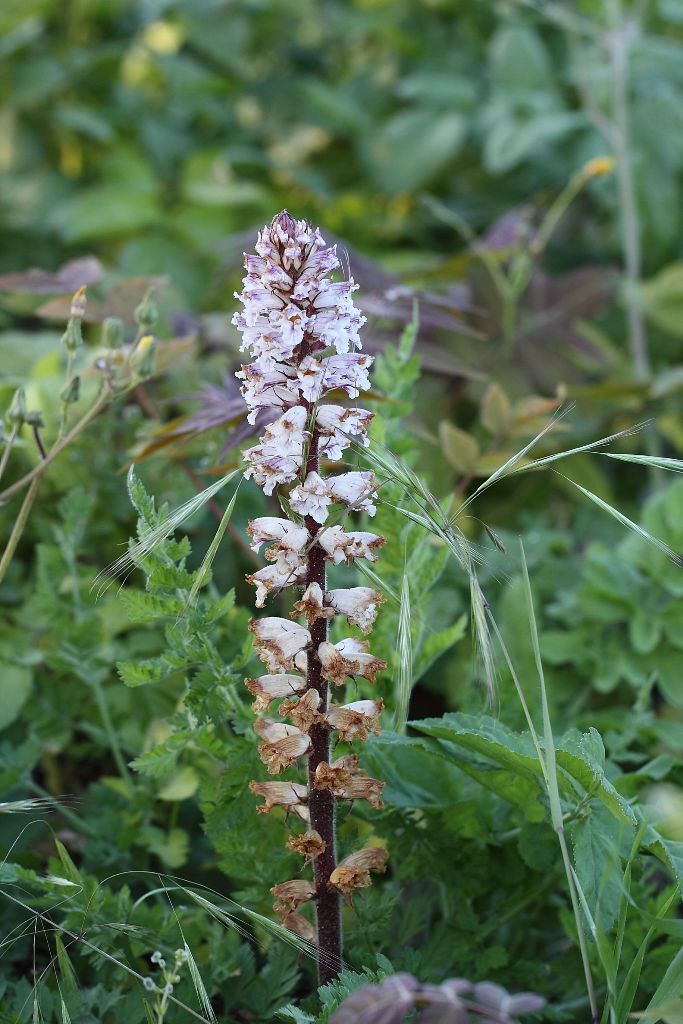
(300, 329)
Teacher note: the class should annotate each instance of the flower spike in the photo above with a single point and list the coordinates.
(300, 329)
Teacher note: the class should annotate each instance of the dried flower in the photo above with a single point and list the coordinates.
(348, 658)
(357, 720)
(346, 782)
(279, 794)
(310, 845)
(297, 923)
(290, 895)
(304, 712)
(354, 870)
(311, 605)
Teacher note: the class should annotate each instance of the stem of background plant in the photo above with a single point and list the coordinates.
(321, 802)
(4, 459)
(110, 731)
(20, 524)
(65, 404)
(618, 44)
(59, 445)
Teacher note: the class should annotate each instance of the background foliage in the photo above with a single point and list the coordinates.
(447, 145)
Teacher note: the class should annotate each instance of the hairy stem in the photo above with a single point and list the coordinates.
(321, 802)
(60, 445)
(19, 525)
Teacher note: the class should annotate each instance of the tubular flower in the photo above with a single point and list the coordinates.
(357, 720)
(290, 795)
(348, 658)
(310, 845)
(300, 329)
(290, 895)
(345, 783)
(268, 688)
(354, 870)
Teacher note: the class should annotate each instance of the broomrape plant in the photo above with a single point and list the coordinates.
(302, 330)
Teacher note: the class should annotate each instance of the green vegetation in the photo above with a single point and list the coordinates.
(505, 179)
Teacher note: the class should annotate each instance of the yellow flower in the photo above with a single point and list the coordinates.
(598, 167)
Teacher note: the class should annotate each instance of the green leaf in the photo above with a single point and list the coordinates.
(663, 299)
(518, 59)
(669, 989)
(459, 447)
(16, 687)
(496, 411)
(414, 145)
(597, 847)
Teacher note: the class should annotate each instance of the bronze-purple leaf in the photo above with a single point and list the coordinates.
(68, 279)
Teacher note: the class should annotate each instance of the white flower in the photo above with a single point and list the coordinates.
(280, 454)
(311, 498)
(274, 578)
(268, 528)
(349, 372)
(267, 389)
(340, 546)
(348, 658)
(310, 375)
(272, 731)
(282, 745)
(272, 687)
(340, 426)
(279, 641)
(358, 604)
(336, 320)
(354, 489)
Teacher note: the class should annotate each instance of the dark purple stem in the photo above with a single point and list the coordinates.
(321, 802)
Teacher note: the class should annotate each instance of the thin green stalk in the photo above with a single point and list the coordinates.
(111, 732)
(19, 525)
(11, 438)
(65, 404)
(60, 445)
(619, 45)
(554, 795)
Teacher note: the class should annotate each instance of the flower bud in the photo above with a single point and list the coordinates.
(143, 356)
(71, 391)
(78, 304)
(34, 418)
(72, 339)
(147, 313)
(112, 332)
(16, 414)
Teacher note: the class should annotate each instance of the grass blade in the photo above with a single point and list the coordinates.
(671, 465)
(207, 561)
(404, 654)
(628, 523)
(154, 536)
(575, 892)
